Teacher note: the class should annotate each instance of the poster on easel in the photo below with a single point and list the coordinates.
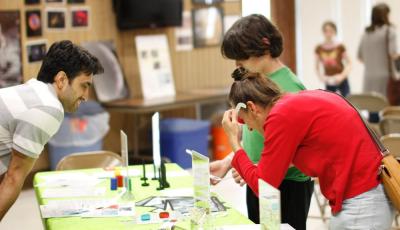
(270, 206)
(155, 66)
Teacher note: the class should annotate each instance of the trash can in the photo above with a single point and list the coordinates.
(177, 135)
(220, 141)
(79, 132)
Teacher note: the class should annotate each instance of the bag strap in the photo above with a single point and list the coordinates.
(384, 151)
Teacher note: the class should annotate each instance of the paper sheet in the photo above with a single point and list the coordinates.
(177, 192)
(68, 180)
(73, 192)
(250, 227)
(86, 208)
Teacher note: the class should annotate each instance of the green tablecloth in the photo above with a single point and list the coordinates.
(232, 217)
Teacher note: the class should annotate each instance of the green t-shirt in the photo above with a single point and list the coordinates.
(253, 141)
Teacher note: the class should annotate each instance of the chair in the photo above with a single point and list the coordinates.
(392, 143)
(373, 102)
(322, 202)
(391, 111)
(389, 125)
(85, 160)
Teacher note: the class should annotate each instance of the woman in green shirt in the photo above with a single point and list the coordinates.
(256, 44)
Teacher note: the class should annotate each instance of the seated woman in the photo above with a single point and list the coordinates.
(320, 134)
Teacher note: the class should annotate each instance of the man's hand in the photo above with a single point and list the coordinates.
(238, 179)
(220, 168)
(10, 187)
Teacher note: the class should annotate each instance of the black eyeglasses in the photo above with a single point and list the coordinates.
(238, 73)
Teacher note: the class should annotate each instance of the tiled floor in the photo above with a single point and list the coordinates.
(25, 213)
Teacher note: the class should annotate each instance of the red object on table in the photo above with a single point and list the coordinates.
(164, 215)
(120, 181)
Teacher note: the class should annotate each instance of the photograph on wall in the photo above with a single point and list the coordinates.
(55, 18)
(32, 2)
(229, 20)
(55, 1)
(208, 26)
(36, 50)
(206, 2)
(80, 17)
(76, 1)
(10, 49)
(33, 23)
(184, 33)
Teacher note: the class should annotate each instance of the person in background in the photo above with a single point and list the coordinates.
(256, 44)
(379, 41)
(332, 56)
(306, 129)
(31, 113)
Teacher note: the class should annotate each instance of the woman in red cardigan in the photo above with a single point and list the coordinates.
(320, 134)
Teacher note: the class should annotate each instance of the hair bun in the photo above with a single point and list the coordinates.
(239, 73)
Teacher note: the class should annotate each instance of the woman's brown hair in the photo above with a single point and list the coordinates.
(331, 24)
(253, 87)
(379, 17)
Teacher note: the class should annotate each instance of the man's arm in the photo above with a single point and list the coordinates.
(10, 187)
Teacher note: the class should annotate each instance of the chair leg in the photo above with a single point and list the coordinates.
(321, 205)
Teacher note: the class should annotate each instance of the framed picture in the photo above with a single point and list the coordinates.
(206, 2)
(75, 1)
(33, 20)
(80, 17)
(55, 18)
(184, 34)
(10, 49)
(208, 26)
(55, 1)
(32, 2)
(36, 50)
(229, 20)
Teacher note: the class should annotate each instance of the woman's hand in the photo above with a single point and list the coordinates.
(232, 128)
(238, 179)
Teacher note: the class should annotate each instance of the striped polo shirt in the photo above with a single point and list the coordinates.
(30, 114)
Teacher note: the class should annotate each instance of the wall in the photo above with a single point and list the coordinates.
(200, 68)
(351, 18)
(99, 28)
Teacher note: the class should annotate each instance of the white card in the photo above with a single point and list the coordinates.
(270, 206)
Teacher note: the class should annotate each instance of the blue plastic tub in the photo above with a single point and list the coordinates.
(79, 132)
(177, 135)
(58, 152)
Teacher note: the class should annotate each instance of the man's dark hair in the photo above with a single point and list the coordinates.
(252, 36)
(70, 58)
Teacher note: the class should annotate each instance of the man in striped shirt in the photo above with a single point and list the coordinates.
(31, 113)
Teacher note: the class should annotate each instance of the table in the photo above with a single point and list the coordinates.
(136, 106)
(231, 217)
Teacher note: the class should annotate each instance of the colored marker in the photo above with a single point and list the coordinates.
(120, 181)
(113, 184)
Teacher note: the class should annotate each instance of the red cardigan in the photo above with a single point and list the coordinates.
(323, 137)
